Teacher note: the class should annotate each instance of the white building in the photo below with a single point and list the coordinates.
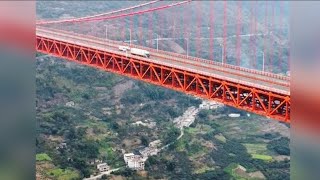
(234, 115)
(70, 104)
(135, 162)
(103, 167)
(148, 124)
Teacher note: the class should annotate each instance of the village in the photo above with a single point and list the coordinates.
(136, 160)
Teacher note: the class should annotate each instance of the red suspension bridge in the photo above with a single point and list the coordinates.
(214, 58)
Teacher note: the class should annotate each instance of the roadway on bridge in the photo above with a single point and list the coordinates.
(260, 81)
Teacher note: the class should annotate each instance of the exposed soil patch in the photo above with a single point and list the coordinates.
(131, 143)
(120, 88)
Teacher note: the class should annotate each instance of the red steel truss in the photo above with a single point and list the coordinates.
(259, 101)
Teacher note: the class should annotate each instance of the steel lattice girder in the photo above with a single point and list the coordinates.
(259, 101)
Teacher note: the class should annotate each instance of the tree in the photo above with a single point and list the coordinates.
(171, 135)
(80, 164)
(170, 166)
(104, 177)
(115, 126)
(86, 96)
(144, 140)
(124, 172)
(71, 134)
(81, 132)
(281, 146)
(217, 174)
(152, 160)
(203, 114)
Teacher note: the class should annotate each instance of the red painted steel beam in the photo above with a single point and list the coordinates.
(259, 101)
(176, 55)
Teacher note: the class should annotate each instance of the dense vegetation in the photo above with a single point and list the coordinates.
(90, 134)
(70, 125)
(231, 151)
(280, 146)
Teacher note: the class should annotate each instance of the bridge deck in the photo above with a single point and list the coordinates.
(264, 81)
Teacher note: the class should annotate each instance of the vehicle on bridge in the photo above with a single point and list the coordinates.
(135, 51)
(140, 52)
(124, 48)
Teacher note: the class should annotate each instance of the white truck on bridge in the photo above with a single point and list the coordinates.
(135, 51)
(140, 52)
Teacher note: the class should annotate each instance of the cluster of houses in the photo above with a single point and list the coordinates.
(136, 160)
(187, 118)
(189, 115)
(210, 105)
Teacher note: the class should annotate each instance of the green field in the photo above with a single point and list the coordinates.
(191, 130)
(203, 170)
(43, 157)
(62, 174)
(262, 157)
(258, 151)
(199, 129)
(220, 137)
(256, 148)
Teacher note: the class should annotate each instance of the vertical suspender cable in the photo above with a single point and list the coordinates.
(224, 31)
(150, 23)
(255, 14)
(280, 27)
(271, 42)
(239, 23)
(199, 24)
(266, 30)
(212, 16)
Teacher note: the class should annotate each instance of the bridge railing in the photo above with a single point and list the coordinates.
(258, 86)
(213, 62)
(252, 71)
